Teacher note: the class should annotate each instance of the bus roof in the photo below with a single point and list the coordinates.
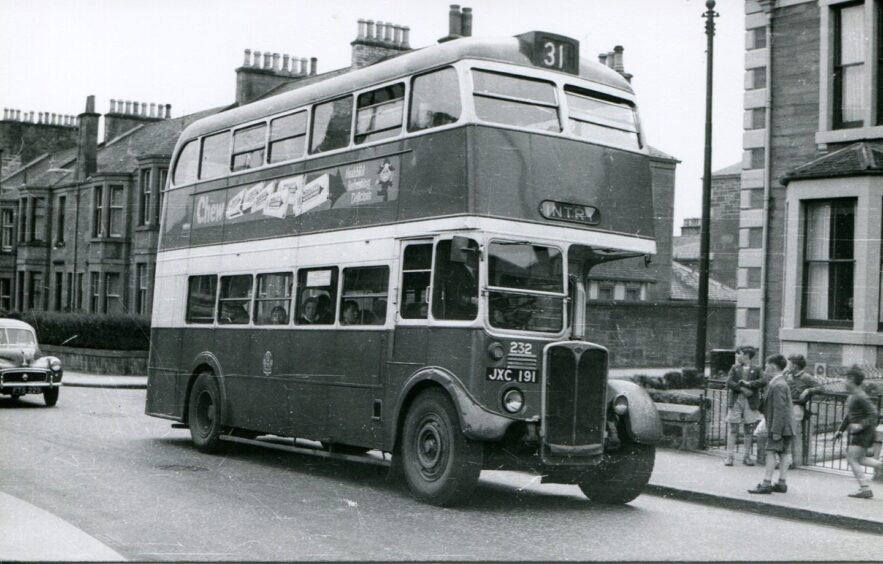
(505, 50)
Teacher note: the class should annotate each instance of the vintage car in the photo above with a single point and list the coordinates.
(23, 370)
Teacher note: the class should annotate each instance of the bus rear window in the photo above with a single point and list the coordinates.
(288, 137)
(332, 125)
(435, 100)
(248, 147)
(605, 121)
(379, 113)
(517, 101)
(215, 155)
(201, 292)
(187, 164)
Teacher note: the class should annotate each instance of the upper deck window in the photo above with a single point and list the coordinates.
(604, 121)
(288, 137)
(215, 155)
(379, 113)
(435, 99)
(248, 147)
(332, 125)
(187, 164)
(511, 100)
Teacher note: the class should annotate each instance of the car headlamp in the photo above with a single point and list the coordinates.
(621, 405)
(55, 365)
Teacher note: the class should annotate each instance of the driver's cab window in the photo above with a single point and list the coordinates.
(455, 283)
(316, 296)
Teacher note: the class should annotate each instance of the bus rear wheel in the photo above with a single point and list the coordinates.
(204, 413)
(622, 475)
(441, 466)
(50, 396)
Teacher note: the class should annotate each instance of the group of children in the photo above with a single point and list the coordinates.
(775, 398)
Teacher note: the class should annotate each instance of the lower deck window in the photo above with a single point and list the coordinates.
(272, 304)
(234, 300)
(316, 296)
(201, 291)
(364, 297)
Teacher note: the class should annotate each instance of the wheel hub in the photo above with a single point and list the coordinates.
(431, 447)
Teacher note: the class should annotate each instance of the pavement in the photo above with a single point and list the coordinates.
(816, 496)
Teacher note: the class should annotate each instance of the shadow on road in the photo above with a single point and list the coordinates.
(489, 497)
(24, 402)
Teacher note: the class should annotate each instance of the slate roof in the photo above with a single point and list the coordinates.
(657, 154)
(685, 285)
(625, 269)
(732, 170)
(858, 159)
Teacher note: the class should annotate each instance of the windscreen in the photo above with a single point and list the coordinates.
(521, 277)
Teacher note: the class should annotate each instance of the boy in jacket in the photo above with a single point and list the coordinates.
(861, 422)
(780, 426)
(744, 382)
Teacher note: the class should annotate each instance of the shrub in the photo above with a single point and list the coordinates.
(674, 380)
(89, 330)
(692, 378)
(661, 396)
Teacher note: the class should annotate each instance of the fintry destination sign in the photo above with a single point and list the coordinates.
(575, 213)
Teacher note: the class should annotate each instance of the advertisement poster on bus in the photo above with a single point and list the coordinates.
(368, 183)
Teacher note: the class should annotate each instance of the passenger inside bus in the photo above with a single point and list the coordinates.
(324, 310)
(308, 314)
(349, 313)
(279, 316)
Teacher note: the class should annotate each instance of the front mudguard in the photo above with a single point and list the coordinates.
(478, 423)
(642, 420)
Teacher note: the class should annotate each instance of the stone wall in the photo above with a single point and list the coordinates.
(724, 235)
(96, 361)
(660, 335)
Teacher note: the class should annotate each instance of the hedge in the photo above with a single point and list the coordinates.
(88, 330)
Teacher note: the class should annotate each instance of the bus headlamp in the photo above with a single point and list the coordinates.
(621, 405)
(513, 400)
(496, 351)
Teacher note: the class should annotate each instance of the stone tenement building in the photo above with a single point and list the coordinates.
(79, 226)
(811, 187)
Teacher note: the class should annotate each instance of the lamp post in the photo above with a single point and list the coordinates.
(702, 315)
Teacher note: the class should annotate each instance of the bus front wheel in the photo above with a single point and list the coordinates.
(204, 413)
(622, 475)
(440, 464)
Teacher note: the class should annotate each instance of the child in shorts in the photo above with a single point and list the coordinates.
(861, 423)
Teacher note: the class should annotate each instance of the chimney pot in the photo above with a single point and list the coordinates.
(54, 118)
(397, 35)
(610, 59)
(31, 116)
(144, 109)
(5, 113)
(285, 68)
(152, 109)
(602, 58)
(304, 67)
(406, 32)
(257, 60)
(618, 65)
(113, 106)
(362, 28)
(466, 22)
(90, 104)
(454, 20)
(388, 33)
(276, 62)
(247, 61)
(369, 33)
(313, 62)
(17, 115)
(127, 107)
(267, 59)
(378, 32)
(168, 111)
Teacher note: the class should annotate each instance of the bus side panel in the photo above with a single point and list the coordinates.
(162, 372)
(517, 171)
(434, 176)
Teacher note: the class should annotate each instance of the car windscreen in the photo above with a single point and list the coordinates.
(17, 337)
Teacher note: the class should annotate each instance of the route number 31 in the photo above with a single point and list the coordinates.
(554, 55)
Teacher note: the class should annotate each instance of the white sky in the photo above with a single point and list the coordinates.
(184, 52)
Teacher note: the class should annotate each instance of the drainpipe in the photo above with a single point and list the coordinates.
(767, 180)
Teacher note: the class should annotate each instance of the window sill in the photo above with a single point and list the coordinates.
(844, 336)
(846, 135)
(148, 227)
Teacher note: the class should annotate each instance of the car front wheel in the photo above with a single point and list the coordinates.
(50, 396)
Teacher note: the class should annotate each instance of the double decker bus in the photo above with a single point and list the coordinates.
(395, 259)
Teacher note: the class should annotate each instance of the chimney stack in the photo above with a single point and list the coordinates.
(376, 41)
(614, 60)
(123, 116)
(263, 71)
(459, 23)
(87, 142)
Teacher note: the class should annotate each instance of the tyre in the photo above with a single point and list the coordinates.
(204, 413)
(441, 466)
(622, 475)
(50, 396)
